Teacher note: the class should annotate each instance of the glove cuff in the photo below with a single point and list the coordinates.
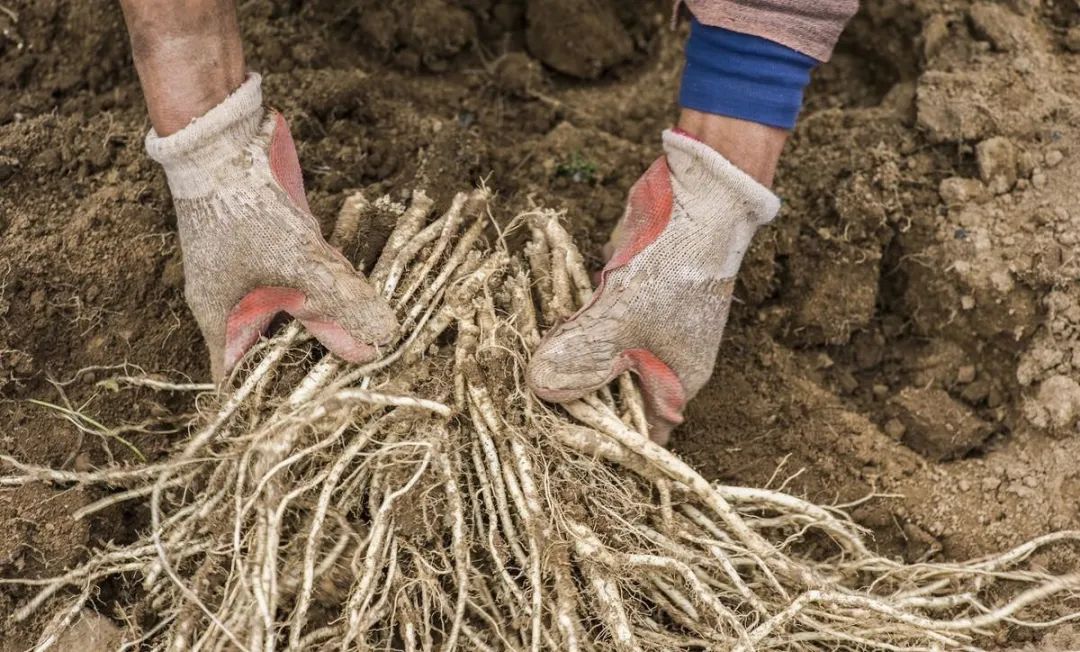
(711, 188)
(695, 165)
(217, 138)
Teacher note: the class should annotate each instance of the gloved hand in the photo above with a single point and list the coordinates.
(251, 246)
(664, 295)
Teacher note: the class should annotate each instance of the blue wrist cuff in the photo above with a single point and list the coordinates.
(743, 76)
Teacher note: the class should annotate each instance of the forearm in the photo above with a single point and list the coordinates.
(188, 55)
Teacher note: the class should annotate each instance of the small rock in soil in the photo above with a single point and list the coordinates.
(996, 158)
(847, 382)
(958, 191)
(936, 364)
(1057, 404)
(82, 463)
(936, 425)
(976, 392)
(1026, 163)
(895, 428)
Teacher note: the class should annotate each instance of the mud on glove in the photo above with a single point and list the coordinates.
(251, 247)
(664, 295)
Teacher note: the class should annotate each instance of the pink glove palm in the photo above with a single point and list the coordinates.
(251, 247)
(664, 296)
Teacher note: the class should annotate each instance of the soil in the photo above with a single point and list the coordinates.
(908, 327)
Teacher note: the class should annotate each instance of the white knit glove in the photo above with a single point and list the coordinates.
(664, 296)
(251, 247)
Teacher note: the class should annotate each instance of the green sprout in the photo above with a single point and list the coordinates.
(578, 168)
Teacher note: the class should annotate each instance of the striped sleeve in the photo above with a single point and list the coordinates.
(811, 27)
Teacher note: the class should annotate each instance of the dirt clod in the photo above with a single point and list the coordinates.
(936, 425)
(1056, 405)
(518, 74)
(581, 38)
(1003, 28)
(895, 428)
(997, 164)
(957, 191)
(438, 30)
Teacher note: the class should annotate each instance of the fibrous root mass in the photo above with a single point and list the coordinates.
(427, 500)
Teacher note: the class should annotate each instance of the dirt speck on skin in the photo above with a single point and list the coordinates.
(926, 248)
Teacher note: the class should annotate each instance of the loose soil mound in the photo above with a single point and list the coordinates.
(909, 326)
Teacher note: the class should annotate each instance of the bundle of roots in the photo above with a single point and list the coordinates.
(426, 501)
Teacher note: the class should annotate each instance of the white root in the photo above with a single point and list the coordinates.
(427, 501)
(348, 219)
(406, 229)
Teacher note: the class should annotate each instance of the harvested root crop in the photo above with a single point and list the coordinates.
(426, 501)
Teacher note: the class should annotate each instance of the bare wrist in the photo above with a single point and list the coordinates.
(752, 147)
(188, 55)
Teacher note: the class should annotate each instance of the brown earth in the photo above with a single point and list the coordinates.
(909, 326)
